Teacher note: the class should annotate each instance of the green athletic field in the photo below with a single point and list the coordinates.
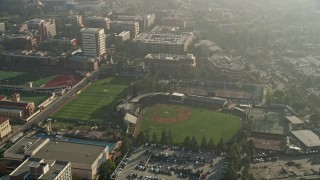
(95, 102)
(200, 122)
(36, 98)
(22, 78)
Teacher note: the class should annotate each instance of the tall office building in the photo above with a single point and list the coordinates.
(93, 42)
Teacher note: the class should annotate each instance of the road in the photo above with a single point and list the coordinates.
(56, 104)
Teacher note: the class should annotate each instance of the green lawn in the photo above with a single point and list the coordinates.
(36, 98)
(202, 122)
(22, 78)
(95, 103)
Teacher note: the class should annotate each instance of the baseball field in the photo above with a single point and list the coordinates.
(95, 102)
(185, 121)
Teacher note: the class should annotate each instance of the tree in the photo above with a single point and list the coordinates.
(204, 144)
(170, 139)
(251, 147)
(105, 169)
(194, 143)
(187, 142)
(146, 137)
(211, 144)
(140, 139)
(164, 138)
(221, 145)
(124, 146)
(231, 173)
(154, 138)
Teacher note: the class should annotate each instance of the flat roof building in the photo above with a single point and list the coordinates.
(307, 138)
(145, 21)
(85, 159)
(35, 168)
(120, 26)
(226, 67)
(164, 42)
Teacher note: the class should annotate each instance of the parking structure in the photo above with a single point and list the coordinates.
(155, 162)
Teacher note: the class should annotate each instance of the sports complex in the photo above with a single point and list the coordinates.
(94, 104)
(186, 120)
(19, 82)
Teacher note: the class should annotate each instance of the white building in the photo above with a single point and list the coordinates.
(93, 42)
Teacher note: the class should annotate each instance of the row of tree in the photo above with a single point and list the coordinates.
(189, 142)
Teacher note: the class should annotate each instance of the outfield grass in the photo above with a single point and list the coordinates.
(95, 103)
(36, 98)
(22, 78)
(202, 122)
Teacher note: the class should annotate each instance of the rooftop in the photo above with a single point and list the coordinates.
(24, 144)
(307, 137)
(294, 120)
(54, 170)
(23, 169)
(123, 22)
(225, 62)
(90, 30)
(167, 38)
(21, 104)
(57, 150)
(130, 118)
(169, 56)
(3, 119)
(71, 152)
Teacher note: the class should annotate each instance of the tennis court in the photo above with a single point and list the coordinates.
(269, 120)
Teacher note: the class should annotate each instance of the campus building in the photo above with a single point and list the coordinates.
(80, 62)
(145, 21)
(294, 122)
(22, 41)
(93, 42)
(120, 26)
(84, 159)
(307, 138)
(37, 168)
(63, 42)
(97, 22)
(46, 29)
(173, 20)
(33, 58)
(94, 5)
(224, 66)
(2, 27)
(158, 41)
(169, 64)
(5, 127)
(16, 108)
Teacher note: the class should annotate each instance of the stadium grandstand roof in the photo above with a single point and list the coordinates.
(130, 118)
(178, 94)
(294, 120)
(214, 100)
(307, 137)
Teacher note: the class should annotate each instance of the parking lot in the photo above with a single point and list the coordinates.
(286, 167)
(155, 162)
